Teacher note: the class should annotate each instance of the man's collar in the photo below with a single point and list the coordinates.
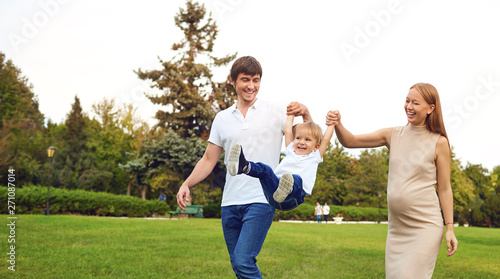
(254, 106)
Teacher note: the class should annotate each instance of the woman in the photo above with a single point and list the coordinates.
(419, 160)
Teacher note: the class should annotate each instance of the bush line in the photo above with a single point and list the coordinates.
(33, 200)
(305, 212)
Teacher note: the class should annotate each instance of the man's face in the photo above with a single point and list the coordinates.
(247, 87)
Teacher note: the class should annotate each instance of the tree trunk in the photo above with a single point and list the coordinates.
(129, 188)
(143, 191)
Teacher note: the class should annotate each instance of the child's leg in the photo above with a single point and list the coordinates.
(268, 180)
(270, 183)
(285, 187)
(295, 197)
(237, 163)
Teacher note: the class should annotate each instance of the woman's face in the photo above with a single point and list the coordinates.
(417, 108)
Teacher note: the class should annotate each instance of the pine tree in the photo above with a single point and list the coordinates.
(72, 159)
(75, 124)
(189, 94)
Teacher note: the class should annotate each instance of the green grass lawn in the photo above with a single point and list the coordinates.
(100, 247)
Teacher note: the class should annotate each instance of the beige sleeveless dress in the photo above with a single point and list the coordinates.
(416, 228)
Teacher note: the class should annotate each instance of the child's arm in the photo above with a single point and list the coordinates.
(289, 129)
(326, 139)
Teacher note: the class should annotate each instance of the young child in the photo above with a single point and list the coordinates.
(294, 178)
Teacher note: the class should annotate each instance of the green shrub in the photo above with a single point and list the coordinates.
(33, 200)
(211, 210)
(305, 212)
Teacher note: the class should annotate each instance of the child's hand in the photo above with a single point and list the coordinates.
(333, 118)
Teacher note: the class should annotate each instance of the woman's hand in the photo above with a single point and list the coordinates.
(451, 242)
(333, 118)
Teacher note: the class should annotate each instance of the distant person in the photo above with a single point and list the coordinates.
(258, 126)
(318, 211)
(419, 163)
(326, 212)
(162, 196)
(294, 178)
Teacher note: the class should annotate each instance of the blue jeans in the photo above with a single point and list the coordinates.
(245, 229)
(270, 182)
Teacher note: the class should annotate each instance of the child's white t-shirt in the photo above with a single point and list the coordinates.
(306, 166)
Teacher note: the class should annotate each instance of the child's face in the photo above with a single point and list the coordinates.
(304, 142)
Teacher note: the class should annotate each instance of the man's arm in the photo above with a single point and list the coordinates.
(202, 169)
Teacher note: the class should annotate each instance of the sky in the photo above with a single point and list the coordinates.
(359, 57)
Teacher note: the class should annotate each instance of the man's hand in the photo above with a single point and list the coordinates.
(183, 194)
(298, 109)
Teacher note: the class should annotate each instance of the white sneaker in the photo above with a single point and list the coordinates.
(234, 159)
(284, 188)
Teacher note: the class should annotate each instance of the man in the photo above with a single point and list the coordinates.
(162, 196)
(259, 127)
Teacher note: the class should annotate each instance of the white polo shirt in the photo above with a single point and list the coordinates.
(260, 134)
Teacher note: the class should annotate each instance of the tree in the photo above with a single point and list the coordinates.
(114, 133)
(76, 162)
(6, 157)
(20, 122)
(337, 166)
(479, 177)
(485, 207)
(491, 206)
(463, 192)
(17, 100)
(165, 161)
(75, 124)
(368, 186)
(491, 209)
(495, 178)
(189, 94)
(72, 160)
(117, 130)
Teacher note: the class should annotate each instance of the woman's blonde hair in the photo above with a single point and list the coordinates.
(314, 128)
(434, 121)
